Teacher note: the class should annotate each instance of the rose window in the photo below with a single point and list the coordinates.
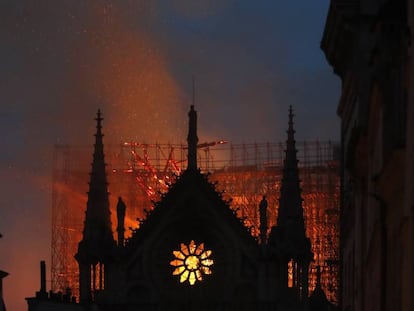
(191, 262)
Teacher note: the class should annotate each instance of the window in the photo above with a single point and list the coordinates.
(192, 262)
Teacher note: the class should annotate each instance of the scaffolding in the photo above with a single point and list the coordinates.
(140, 173)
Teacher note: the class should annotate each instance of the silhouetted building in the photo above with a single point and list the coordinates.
(192, 252)
(369, 45)
(52, 301)
(3, 274)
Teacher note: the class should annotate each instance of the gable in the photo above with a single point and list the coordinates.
(192, 212)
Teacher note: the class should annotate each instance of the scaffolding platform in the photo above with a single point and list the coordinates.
(140, 173)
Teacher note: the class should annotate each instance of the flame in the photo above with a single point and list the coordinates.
(128, 70)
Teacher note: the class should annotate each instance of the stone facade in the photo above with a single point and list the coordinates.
(368, 43)
(192, 252)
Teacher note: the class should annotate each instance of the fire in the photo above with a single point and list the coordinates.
(129, 71)
(141, 173)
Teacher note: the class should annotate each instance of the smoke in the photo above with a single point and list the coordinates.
(127, 74)
(61, 61)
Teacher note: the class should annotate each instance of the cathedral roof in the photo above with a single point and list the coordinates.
(191, 198)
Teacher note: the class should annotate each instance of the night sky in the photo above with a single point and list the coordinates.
(62, 60)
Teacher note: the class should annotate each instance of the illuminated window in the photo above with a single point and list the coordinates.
(290, 273)
(191, 262)
(97, 278)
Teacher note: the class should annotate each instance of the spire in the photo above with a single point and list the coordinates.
(290, 202)
(296, 247)
(98, 244)
(97, 212)
(192, 139)
(97, 240)
(291, 159)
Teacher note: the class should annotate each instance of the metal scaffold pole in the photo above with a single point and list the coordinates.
(140, 173)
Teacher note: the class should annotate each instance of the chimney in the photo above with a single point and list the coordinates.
(43, 276)
(42, 294)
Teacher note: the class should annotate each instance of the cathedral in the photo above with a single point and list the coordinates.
(191, 252)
